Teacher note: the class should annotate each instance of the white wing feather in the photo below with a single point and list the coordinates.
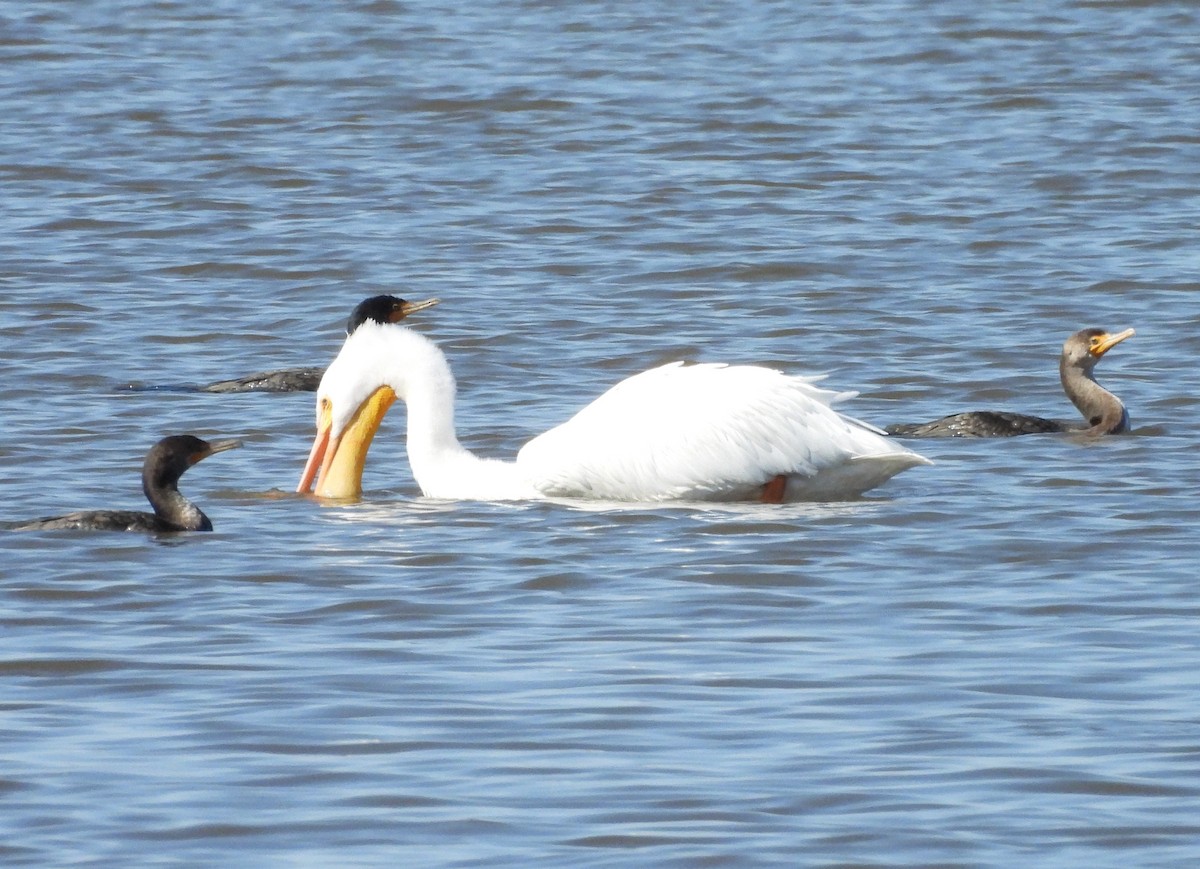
(709, 431)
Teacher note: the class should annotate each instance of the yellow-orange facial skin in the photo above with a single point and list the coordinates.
(1101, 344)
(336, 461)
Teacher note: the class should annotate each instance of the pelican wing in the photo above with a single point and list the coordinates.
(701, 432)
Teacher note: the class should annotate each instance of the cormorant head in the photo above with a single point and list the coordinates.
(384, 309)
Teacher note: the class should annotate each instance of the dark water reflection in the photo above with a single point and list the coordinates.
(991, 661)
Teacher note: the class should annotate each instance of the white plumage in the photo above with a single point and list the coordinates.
(676, 432)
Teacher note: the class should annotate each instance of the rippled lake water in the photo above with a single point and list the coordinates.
(990, 661)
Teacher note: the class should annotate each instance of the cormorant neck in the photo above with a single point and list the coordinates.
(173, 508)
(1104, 411)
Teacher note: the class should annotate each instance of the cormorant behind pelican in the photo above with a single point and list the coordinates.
(165, 463)
(284, 380)
(1104, 412)
(377, 309)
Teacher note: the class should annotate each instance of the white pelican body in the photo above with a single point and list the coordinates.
(677, 432)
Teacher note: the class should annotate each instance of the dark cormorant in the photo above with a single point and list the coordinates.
(164, 465)
(378, 309)
(1104, 412)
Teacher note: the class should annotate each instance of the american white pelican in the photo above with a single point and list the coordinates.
(164, 465)
(677, 432)
(1104, 412)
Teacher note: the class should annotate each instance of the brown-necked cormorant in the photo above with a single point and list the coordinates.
(1104, 412)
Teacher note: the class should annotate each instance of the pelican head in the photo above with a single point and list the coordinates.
(374, 368)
